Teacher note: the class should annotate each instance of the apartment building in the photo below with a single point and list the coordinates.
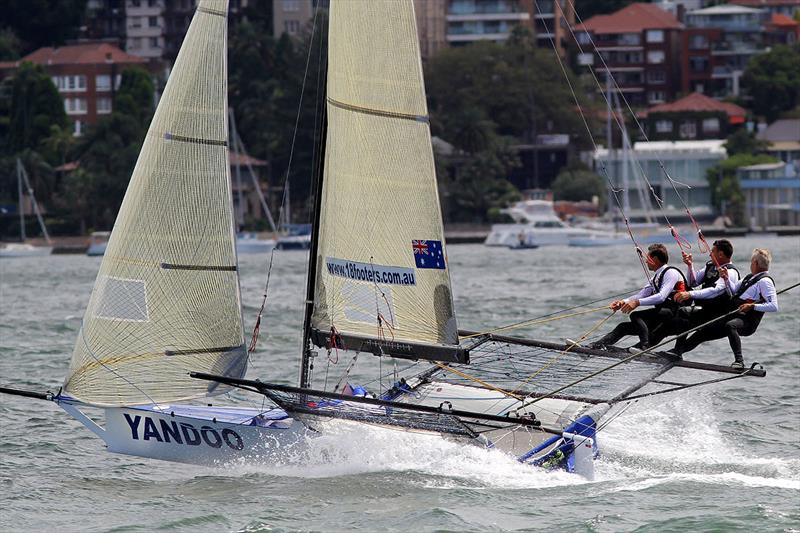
(772, 194)
(86, 74)
(431, 26)
(290, 16)
(469, 21)
(640, 46)
(144, 28)
(551, 22)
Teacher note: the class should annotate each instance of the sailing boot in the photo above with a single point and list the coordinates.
(738, 361)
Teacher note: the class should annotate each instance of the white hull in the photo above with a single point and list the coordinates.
(511, 235)
(194, 434)
(25, 250)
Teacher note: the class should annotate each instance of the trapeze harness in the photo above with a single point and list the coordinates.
(751, 318)
(669, 305)
(719, 304)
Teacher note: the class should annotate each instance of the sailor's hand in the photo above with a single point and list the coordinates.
(723, 272)
(630, 306)
(616, 305)
(687, 258)
(744, 308)
(682, 296)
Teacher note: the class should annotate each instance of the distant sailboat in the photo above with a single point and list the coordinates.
(166, 300)
(23, 249)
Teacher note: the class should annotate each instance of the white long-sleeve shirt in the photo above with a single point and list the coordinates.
(719, 287)
(647, 296)
(763, 293)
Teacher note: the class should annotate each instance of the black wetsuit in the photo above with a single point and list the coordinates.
(738, 325)
(642, 323)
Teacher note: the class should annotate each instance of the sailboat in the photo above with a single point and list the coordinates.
(379, 283)
(166, 300)
(24, 249)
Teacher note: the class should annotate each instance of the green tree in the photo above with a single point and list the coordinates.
(726, 191)
(576, 183)
(773, 81)
(10, 45)
(43, 22)
(742, 142)
(35, 107)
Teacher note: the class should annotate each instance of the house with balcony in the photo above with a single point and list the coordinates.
(717, 45)
(469, 21)
(639, 45)
(87, 76)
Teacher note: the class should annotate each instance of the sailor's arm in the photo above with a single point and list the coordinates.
(768, 292)
(717, 289)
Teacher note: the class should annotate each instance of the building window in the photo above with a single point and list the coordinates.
(152, 22)
(655, 57)
(136, 22)
(291, 26)
(586, 59)
(655, 36)
(154, 42)
(75, 106)
(711, 125)
(58, 82)
(103, 106)
(584, 38)
(102, 82)
(630, 39)
(291, 5)
(656, 77)
(135, 43)
(77, 128)
(655, 97)
(74, 83)
(698, 42)
(698, 64)
(664, 126)
(688, 129)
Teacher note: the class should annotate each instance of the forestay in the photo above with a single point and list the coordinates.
(166, 300)
(382, 271)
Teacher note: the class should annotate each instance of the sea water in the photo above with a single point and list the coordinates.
(716, 458)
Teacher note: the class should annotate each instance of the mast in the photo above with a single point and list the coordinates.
(21, 209)
(306, 363)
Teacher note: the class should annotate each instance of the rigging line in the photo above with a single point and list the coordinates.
(613, 190)
(476, 380)
(534, 322)
(616, 118)
(619, 93)
(617, 295)
(648, 350)
(257, 328)
(690, 385)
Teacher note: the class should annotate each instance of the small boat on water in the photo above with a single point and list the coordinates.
(98, 241)
(251, 243)
(23, 249)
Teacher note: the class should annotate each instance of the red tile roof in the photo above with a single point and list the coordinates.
(698, 102)
(632, 19)
(83, 53)
(781, 20)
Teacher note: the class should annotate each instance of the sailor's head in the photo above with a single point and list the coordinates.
(760, 260)
(657, 256)
(722, 251)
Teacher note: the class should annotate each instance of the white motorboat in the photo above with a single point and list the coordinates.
(536, 224)
(97, 243)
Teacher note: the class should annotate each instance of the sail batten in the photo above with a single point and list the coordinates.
(382, 278)
(166, 300)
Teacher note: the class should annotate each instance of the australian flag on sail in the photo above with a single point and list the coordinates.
(428, 254)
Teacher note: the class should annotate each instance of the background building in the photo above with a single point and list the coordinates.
(693, 117)
(640, 45)
(290, 16)
(771, 197)
(86, 74)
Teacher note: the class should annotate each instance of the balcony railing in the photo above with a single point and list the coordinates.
(473, 7)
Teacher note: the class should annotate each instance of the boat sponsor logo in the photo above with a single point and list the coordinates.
(389, 275)
(146, 428)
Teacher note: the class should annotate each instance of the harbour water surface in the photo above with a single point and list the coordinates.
(725, 457)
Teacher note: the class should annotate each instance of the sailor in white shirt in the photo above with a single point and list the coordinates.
(710, 291)
(753, 296)
(667, 280)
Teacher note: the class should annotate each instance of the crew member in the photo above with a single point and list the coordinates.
(753, 296)
(667, 280)
(710, 290)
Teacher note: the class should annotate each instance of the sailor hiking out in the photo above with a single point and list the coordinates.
(753, 296)
(659, 292)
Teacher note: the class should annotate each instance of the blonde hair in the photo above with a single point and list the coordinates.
(762, 257)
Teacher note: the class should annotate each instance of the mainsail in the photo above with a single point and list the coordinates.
(166, 300)
(383, 283)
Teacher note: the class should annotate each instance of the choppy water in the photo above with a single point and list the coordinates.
(708, 459)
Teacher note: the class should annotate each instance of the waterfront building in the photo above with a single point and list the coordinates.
(290, 16)
(431, 26)
(640, 46)
(695, 116)
(86, 74)
(772, 194)
(788, 8)
(717, 45)
(783, 137)
(685, 161)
